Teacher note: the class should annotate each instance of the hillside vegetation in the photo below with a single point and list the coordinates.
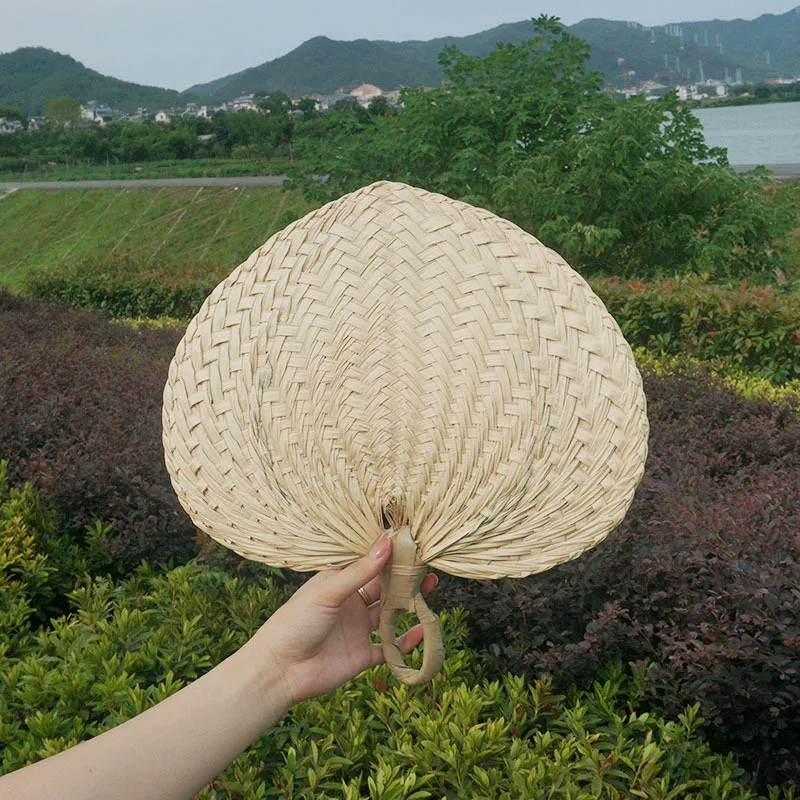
(30, 76)
(325, 65)
(766, 47)
(177, 231)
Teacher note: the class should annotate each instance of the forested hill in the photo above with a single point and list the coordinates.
(767, 47)
(30, 76)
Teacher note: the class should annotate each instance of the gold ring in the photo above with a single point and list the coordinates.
(365, 597)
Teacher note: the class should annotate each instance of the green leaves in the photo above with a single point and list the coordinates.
(124, 646)
(751, 328)
(622, 188)
(464, 744)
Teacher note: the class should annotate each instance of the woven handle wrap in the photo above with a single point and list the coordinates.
(400, 591)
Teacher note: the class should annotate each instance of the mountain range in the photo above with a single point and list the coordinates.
(767, 47)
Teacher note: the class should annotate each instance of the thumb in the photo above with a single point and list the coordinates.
(340, 585)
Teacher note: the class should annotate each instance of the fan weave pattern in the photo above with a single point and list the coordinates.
(397, 358)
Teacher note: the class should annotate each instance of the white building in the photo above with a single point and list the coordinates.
(365, 93)
(163, 116)
(96, 112)
(244, 103)
(193, 110)
(9, 126)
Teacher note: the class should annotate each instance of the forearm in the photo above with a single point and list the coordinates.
(170, 751)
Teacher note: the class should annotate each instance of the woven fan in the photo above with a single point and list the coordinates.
(399, 360)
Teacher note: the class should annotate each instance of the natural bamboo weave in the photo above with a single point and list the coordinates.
(397, 358)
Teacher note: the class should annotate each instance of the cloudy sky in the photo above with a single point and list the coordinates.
(176, 43)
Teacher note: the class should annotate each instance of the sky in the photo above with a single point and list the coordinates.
(177, 43)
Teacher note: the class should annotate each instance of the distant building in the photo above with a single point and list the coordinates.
(690, 92)
(715, 88)
(193, 110)
(96, 112)
(140, 115)
(244, 103)
(9, 126)
(163, 116)
(330, 100)
(365, 93)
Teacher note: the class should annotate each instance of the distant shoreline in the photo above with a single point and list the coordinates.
(779, 170)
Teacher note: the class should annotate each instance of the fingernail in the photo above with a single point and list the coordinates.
(380, 548)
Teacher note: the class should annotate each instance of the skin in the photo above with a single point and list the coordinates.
(315, 642)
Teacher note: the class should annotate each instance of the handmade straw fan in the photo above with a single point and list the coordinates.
(397, 359)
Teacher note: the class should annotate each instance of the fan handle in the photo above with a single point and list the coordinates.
(401, 579)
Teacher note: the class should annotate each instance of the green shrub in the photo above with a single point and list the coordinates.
(38, 565)
(462, 738)
(25, 575)
(124, 647)
(144, 294)
(745, 384)
(753, 328)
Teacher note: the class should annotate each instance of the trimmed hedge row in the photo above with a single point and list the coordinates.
(124, 647)
(82, 422)
(753, 328)
(120, 295)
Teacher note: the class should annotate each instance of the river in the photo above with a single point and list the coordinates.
(757, 134)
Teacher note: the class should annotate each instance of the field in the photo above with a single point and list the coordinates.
(181, 232)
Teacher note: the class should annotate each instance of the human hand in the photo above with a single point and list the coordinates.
(319, 638)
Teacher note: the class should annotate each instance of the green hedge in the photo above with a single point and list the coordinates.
(753, 328)
(119, 295)
(125, 646)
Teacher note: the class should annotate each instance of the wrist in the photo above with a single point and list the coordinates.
(264, 686)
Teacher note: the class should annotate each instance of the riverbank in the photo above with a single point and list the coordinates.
(783, 171)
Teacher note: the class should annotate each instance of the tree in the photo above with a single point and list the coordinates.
(277, 104)
(638, 192)
(492, 112)
(307, 106)
(63, 110)
(9, 112)
(617, 187)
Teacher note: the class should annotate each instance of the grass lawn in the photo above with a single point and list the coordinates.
(184, 232)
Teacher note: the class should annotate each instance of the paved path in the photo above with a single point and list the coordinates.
(779, 170)
(249, 180)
